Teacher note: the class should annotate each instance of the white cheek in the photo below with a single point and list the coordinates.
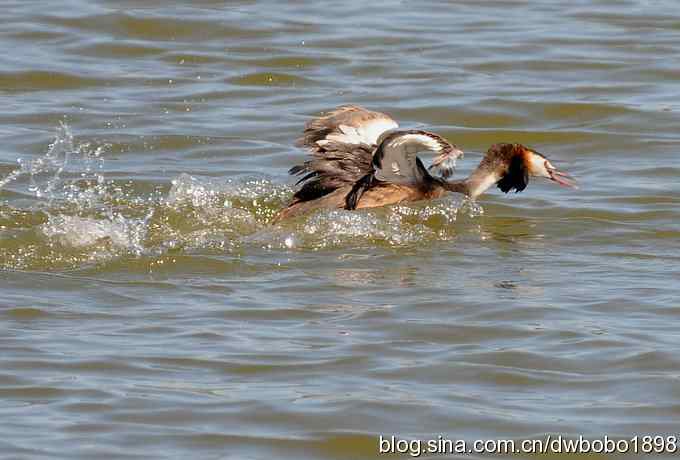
(538, 167)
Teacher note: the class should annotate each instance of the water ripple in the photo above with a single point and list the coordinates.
(151, 310)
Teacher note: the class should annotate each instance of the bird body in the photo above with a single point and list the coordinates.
(360, 159)
(380, 195)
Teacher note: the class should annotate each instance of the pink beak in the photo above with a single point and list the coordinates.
(562, 178)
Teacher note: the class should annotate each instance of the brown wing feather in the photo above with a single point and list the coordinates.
(348, 115)
(341, 144)
(331, 169)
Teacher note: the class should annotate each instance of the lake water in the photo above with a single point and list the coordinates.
(149, 310)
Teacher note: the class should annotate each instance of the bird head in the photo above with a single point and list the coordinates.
(539, 166)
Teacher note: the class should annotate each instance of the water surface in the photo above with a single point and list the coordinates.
(149, 310)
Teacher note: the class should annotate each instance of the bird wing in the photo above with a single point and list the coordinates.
(396, 162)
(347, 124)
(396, 159)
(341, 144)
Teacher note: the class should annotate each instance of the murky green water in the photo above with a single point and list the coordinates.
(148, 309)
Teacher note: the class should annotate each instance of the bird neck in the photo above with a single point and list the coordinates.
(477, 183)
(457, 186)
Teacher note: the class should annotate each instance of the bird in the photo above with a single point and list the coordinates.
(361, 159)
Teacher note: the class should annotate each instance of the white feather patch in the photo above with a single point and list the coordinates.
(417, 141)
(367, 133)
(370, 131)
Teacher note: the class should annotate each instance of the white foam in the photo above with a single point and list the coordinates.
(78, 232)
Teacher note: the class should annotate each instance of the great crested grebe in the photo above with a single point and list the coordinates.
(359, 159)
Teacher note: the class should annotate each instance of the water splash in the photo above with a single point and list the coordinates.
(45, 172)
(78, 232)
(393, 226)
(79, 217)
(14, 175)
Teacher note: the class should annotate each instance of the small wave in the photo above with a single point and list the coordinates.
(270, 79)
(392, 226)
(79, 217)
(80, 232)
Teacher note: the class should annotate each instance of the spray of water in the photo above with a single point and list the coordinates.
(78, 217)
